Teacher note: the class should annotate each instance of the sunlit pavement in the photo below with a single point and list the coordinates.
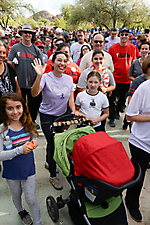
(8, 213)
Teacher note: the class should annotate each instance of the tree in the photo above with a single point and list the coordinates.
(108, 13)
(21, 20)
(10, 9)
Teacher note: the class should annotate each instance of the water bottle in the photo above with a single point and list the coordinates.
(8, 143)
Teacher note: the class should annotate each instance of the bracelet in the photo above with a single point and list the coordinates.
(107, 89)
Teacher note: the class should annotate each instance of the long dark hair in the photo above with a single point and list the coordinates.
(81, 54)
(25, 119)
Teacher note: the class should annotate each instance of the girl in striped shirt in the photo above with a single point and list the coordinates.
(17, 128)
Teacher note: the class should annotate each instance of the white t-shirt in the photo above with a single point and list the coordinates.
(75, 51)
(140, 104)
(92, 105)
(111, 42)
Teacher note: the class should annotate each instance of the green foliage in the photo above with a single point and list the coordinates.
(108, 13)
(21, 20)
(10, 9)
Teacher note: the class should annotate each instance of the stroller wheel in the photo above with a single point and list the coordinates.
(52, 208)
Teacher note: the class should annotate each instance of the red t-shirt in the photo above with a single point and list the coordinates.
(49, 52)
(122, 57)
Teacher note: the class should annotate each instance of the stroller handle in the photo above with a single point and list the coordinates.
(58, 122)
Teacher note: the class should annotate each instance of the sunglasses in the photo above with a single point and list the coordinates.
(27, 32)
(124, 35)
(96, 41)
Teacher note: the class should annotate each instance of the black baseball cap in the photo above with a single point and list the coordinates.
(124, 29)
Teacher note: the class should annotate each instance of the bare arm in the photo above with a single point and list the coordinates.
(130, 76)
(10, 62)
(36, 88)
(71, 102)
(81, 114)
(18, 91)
(80, 90)
(138, 118)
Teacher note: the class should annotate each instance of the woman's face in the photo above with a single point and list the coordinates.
(60, 63)
(85, 50)
(66, 50)
(98, 60)
(2, 54)
(144, 50)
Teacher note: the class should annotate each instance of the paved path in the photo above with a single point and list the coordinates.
(8, 213)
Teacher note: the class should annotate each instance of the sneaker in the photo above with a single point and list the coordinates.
(56, 183)
(112, 123)
(37, 126)
(135, 214)
(124, 127)
(46, 165)
(117, 116)
(148, 166)
(26, 218)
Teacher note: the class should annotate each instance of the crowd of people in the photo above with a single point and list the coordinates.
(57, 72)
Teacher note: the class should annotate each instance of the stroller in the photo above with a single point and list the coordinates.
(98, 170)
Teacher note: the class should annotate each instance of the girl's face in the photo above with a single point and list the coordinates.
(93, 84)
(144, 50)
(60, 63)
(66, 50)
(2, 53)
(85, 50)
(14, 110)
(98, 60)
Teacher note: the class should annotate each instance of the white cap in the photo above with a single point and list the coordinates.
(59, 30)
(7, 32)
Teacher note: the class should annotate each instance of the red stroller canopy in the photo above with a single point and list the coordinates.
(98, 156)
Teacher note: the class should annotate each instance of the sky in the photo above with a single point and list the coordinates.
(52, 6)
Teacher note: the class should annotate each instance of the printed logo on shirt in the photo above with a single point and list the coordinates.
(73, 69)
(92, 104)
(25, 55)
(60, 91)
(62, 96)
(123, 55)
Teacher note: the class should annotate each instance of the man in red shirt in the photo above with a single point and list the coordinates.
(123, 54)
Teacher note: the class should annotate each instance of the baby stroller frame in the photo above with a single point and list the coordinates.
(106, 189)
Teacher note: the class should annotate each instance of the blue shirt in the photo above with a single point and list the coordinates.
(21, 166)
